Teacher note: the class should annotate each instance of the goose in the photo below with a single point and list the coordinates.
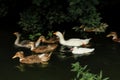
(72, 41)
(114, 36)
(51, 40)
(24, 43)
(81, 50)
(43, 48)
(32, 59)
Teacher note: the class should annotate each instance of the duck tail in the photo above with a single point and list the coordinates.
(50, 54)
(89, 38)
(92, 49)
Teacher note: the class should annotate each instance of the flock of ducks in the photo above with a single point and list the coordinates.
(43, 52)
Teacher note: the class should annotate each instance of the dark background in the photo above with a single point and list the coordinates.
(109, 10)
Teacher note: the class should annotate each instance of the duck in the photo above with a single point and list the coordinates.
(45, 56)
(32, 59)
(114, 36)
(72, 41)
(50, 40)
(82, 51)
(43, 48)
(24, 43)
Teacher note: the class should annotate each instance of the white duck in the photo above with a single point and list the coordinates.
(71, 42)
(85, 51)
(24, 43)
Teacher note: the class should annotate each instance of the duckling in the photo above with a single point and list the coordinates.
(24, 43)
(51, 40)
(32, 59)
(71, 42)
(114, 36)
(43, 49)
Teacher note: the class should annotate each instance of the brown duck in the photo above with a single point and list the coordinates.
(114, 36)
(50, 40)
(32, 59)
(43, 49)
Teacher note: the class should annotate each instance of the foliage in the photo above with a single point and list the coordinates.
(3, 9)
(32, 37)
(50, 34)
(84, 12)
(83, 74)
(48, 15)
(30, 21)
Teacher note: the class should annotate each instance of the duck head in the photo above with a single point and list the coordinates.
(42, 38)
(112, 34)
(18, 54)
(57, 33)
(17, 33)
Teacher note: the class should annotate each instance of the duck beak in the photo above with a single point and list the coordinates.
(13, 57)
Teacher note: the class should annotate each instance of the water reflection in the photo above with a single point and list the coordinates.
(23, 67)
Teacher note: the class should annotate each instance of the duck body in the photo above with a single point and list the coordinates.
(76, 50)
(114, 36)
(24, 43)
(44, 48)
(32, 59)
(72, 41)
(45, 57)
(50, 40)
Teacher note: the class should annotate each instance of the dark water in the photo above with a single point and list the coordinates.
(106, 57)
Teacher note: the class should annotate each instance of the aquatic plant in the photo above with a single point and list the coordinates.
(83, 74)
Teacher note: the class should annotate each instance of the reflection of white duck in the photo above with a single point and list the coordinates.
(71, 42)
(24, 43)
(76, 50)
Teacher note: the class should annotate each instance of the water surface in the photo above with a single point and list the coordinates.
(106, 57)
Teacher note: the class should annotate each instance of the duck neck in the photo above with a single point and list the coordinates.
(50, 54)
(21, 58)
(115, 37)
(37, 42)
(17, 39)
(61, 38)
(43, 39)
(32, 46)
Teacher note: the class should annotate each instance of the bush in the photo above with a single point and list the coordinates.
(83, 74)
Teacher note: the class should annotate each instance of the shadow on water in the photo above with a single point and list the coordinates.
(106, 57)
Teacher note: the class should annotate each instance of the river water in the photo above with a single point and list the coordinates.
(106, 57)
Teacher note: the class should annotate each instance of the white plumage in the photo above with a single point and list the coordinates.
(87, 51)
(72, 41)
